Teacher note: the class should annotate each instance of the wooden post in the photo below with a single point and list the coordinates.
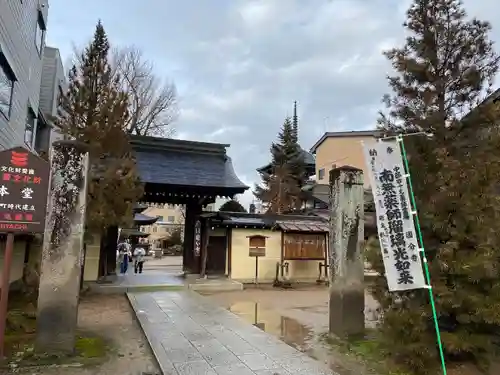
(257, 270)
(347, 288)
(190, 261)
(4, 301)
(204, 248)
(62, 252)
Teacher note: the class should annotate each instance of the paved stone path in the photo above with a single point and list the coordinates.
(149, 278)
(191, 336)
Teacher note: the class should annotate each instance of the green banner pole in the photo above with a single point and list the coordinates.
(422, 252)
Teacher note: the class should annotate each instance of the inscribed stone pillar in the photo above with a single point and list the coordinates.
(346, 252)
(62, 253)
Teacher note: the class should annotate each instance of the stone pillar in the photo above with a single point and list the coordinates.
(347, 301)
(62, 253)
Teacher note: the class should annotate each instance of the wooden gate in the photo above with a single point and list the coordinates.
(304, 246)
(216, 255)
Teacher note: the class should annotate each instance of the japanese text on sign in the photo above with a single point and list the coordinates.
(197, 238)
(396, 229)
(23, 191)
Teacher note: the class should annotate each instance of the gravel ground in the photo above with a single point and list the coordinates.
(112, 318)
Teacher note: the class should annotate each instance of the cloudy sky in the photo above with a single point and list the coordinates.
(240, 64)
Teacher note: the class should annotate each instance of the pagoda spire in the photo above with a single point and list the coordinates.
(295, 123)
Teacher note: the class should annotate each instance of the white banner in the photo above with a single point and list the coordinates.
(396, 229)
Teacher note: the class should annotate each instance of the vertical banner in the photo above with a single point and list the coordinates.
(396, 228)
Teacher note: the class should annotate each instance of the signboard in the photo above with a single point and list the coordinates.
(24, 185)
(257, 252)
(197, 238)
(257, 246)
(396, 228)
(304, 246)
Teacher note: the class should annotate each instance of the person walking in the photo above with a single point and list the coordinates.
(124, 256)
(139, 254)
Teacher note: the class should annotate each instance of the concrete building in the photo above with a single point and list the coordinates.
(23, 26)
(341, 148)
(52, 86)
(171, 218)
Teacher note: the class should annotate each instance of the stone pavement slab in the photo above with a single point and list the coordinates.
(191, 336)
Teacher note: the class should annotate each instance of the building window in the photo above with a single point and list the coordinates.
(6, 86)
(160, 218)
(39, 33)
(154, 229)
(41, 135)
(171, 219)
(60, 96)
(321, 174)
(29, 128)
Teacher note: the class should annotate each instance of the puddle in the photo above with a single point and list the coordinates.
(287, 329)
(292, 332)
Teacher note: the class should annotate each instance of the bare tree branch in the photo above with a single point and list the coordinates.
(153, 102)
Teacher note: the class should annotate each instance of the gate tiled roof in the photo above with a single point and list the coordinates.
(185, 163)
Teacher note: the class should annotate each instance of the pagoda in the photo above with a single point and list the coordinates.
(134, 233)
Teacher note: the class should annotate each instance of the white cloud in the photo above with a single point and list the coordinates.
(231, 101)
(258, 14)
(224, 132)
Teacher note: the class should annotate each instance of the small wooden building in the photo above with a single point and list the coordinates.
(298, 244)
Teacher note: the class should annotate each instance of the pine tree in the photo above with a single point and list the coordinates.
(94, 111)
(281, 189)
(279, 192)
(442, 73)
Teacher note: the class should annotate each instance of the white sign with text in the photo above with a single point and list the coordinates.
(396, 227)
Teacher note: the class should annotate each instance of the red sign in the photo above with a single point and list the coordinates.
(19, 159)
(24, 185)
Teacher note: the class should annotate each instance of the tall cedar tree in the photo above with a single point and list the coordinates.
(94, 111)
(281, 189)
(443, 74)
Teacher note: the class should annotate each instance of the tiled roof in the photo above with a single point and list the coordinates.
(145, 219)
(257, 222)
(303, 226)
(356, 133)
(185, 163)
(133, 233)
(138, 208)
(308, 223)
(308, 157)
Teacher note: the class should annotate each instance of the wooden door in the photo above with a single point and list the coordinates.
(216, 257)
